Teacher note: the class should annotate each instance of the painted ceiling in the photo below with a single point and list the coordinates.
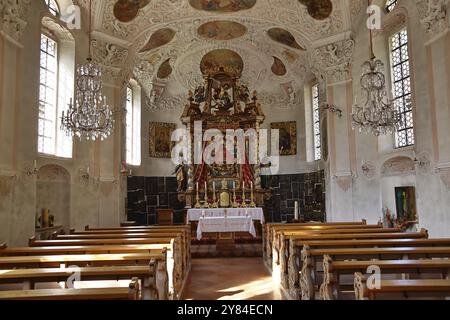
(159, 42)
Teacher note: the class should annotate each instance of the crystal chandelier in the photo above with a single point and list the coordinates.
(89, 117)
(378, 114)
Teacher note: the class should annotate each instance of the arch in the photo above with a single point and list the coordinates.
(53, 190)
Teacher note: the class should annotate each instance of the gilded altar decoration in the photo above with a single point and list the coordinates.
(160, 139)
(223, 103)
(288, 137)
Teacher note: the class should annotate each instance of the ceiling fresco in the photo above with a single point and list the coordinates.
(222, 58)
(159, 39)
(222, 5)
(284, 37)
(165, 70)
(222, 30)
(278, 67)
(127, 10)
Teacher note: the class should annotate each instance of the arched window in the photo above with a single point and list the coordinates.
(52, 7)
(316, 122)
(56, 87)
(133, 125)
(390, 5)
(402, 88)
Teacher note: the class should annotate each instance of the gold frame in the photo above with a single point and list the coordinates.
(152, 147)
(291, 128)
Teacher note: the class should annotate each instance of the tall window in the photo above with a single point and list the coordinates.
(47, 96)
(401, 77)
(133, 128)
(390, 5)
(316, 122)
(52, 7)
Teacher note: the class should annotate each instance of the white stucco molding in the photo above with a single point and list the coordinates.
(13, 20)
(433, 15)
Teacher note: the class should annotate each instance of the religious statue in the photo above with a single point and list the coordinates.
(224, 101)
(199, 95)
(180, 174)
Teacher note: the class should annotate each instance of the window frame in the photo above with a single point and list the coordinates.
(56, 94)
(390, 5)
(56, 11)
(315, 111)
(411, 95)
(133, 155)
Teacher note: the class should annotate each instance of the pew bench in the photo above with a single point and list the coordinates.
(156, 259)
(288, 264)
(133, 292)
(334, 286)
(269, 229)
(174, 256)
(312, 261)
(402, 289)
(295, 246)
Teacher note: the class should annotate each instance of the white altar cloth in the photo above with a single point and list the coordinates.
(254, 213)
(225, 224)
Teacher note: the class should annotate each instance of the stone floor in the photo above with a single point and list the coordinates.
(230, 279)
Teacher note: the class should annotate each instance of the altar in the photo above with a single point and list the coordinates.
(253, 213)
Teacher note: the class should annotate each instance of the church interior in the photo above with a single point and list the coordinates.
(224, 149)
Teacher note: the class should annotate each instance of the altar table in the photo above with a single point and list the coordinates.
(225, 224)
(253, 213)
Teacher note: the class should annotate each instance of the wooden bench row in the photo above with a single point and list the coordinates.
(312, 262)
(123, 254)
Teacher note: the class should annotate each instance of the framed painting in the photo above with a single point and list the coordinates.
(288, 137)
(160, 139)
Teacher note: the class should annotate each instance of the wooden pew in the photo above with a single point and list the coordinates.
(156, 259)
(133, 292)
(294, 262)
(174, 256)
(268, 234)
(332, 286)
(402, 289)
(185, 239)
(281, 250)
(309, 277)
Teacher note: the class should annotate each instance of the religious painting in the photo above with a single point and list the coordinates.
(222, 6)
(224, 58)
(284, 37)
(158, 39)
(288, 137)
(318, 9)
(126, 10)
(405, 202)
(222, 30)
(165, 70)
(278, 67)
(160, 139)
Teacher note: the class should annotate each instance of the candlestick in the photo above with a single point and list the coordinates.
(87, 170)
(243, 204)
(35, 164)
(252, 200)
(206, 204)
(296, 210)
(197, 199)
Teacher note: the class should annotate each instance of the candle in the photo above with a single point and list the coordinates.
(87, 170)
(197, 185)
(35, 164)
(234, 185)
(214, 187)
(243, 185)
(251, 185)
(206, 187)
(296, 210)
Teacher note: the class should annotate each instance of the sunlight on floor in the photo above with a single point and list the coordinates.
(250, 290)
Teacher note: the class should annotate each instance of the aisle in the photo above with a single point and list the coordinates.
(230, 279)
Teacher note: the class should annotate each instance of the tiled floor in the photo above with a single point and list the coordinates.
(230, 279)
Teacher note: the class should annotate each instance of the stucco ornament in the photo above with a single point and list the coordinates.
(398, 166)
(335, 59)
(13, 16)
(445, 177)
(433, 15)
(344, 182)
